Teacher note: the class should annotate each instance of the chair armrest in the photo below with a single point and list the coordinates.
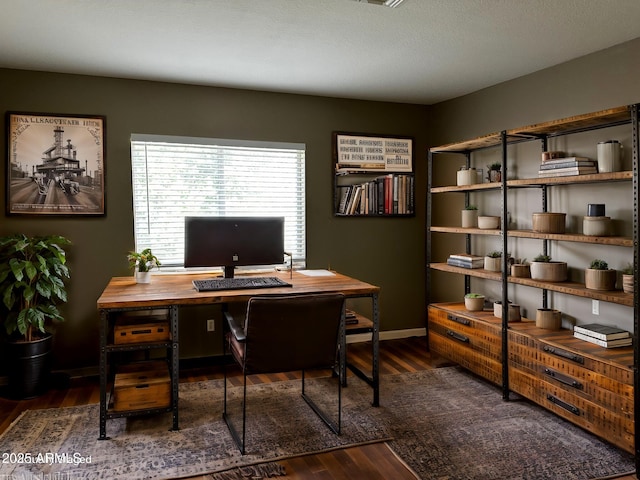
(238, 332)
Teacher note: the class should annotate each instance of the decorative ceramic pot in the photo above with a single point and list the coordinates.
(513, 312)
(548, 222)
(467, 176)
(493, 264)
(627, 283)
(596, 226)
(474, 304)
(548, 318)
(520, 270)
(488, 221)
(549, 271)
(143, 277)
(469, 218)
(600, 279)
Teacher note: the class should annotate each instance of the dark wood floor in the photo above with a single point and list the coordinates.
(371, 462)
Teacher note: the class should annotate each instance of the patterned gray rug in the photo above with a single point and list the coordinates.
(445, 425)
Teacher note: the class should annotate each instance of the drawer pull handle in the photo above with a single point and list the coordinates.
(563, 378)
(564, 354)
(463, 321)
(141, 332)
(567, 406)
(458, 336)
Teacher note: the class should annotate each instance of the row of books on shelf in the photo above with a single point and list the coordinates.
(391, 194)
(465, 260)
(563, 167)
(603, 335)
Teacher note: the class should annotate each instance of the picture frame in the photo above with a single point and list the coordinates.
(361, 152)
(55, 164)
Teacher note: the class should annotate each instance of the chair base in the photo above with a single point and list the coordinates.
(240, 439)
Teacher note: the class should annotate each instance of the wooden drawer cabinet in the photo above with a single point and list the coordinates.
(588, 385)
(472, 343)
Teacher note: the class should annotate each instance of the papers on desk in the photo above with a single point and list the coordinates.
(317, 273)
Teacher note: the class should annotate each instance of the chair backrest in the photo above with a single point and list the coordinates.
(290, 333)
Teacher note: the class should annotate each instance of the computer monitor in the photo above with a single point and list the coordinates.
(233, 241)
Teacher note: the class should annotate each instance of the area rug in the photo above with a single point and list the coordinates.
(445, 424)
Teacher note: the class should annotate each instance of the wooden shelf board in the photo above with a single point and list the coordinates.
(570, 288)
(472, 231)
(539, 181)
(565, 237)
(602, 118)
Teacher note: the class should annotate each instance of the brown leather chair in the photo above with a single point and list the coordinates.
(284, 334)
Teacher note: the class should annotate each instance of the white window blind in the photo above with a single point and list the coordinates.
(175, 177)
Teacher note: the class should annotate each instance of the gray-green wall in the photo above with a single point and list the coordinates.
(387, 252)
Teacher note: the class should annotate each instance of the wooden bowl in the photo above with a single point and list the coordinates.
(547, 222)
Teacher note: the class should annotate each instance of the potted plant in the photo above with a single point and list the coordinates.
(494, 172)
(32, 274)
(599, 276)
(493, 261)
(627, 278)
(474, 302)
(521, 269)
(142, 263)
(543, 268)
(470, 216)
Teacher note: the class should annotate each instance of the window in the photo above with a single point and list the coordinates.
(174, 177)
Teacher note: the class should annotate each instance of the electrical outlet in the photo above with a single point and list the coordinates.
(211, 325)
(595, 307)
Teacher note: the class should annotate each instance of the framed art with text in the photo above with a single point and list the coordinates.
(55, 164)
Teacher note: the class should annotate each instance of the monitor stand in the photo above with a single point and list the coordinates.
(228, 271)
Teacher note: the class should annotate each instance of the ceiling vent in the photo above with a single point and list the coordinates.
(384, 3)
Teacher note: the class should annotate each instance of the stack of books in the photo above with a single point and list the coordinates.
(562, 167)
(465, 260)
(603, 335)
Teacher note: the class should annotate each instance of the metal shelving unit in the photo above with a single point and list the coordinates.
(542, 132)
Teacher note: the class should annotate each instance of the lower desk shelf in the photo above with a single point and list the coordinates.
(588, 385)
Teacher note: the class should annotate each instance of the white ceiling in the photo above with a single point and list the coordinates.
(424, 51)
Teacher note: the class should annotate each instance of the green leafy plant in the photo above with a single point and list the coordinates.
(598, 264)
(496, 166)
(474, 295)
(143, 261)
(32, 274)
(471, 207)
(629, 269)
(494, 254)
(542, 258)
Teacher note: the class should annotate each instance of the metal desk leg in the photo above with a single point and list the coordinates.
(375, 345)
(175, 370)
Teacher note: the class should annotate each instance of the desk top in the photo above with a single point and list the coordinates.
(177, 289)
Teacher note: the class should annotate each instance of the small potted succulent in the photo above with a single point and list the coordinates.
(470, 216)
(521, 269)
(599, 276)
(494, 172)
(627, 278)
(142, 263)
(493, 261)
(543, 268)
(474, 302)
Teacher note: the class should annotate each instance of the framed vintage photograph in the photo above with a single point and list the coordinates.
(55, 164)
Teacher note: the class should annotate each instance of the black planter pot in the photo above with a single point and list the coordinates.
(29, 367)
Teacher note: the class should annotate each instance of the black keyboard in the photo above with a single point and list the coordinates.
(238, 283)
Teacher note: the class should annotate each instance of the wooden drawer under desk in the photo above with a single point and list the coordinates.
(142, 386)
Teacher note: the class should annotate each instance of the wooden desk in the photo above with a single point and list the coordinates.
(171, 291)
